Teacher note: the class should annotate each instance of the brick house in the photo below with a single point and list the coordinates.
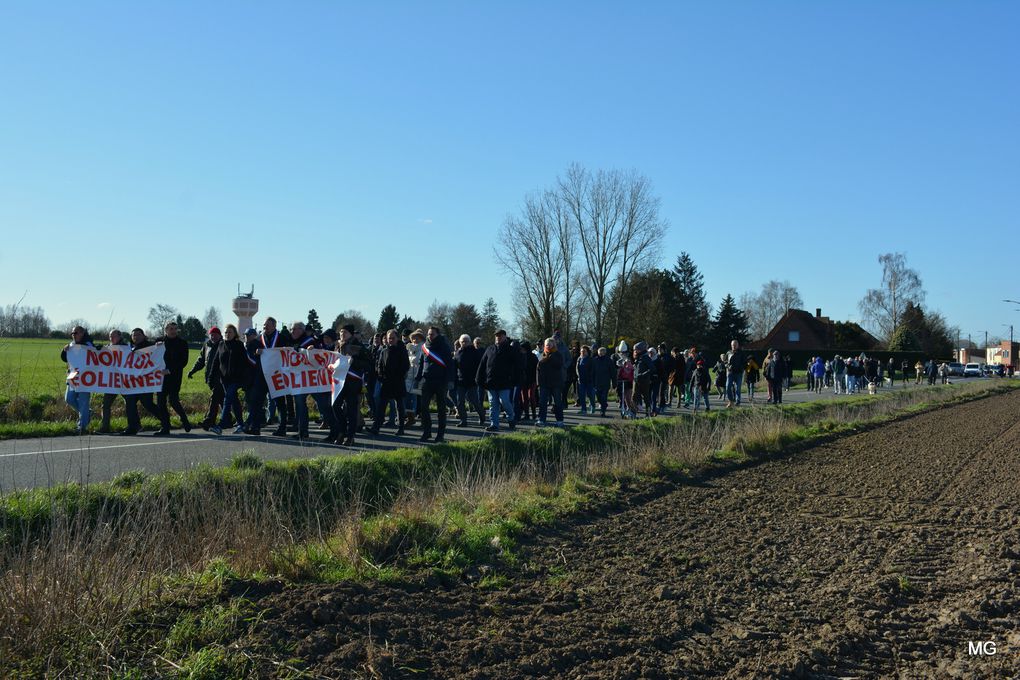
(799, 330)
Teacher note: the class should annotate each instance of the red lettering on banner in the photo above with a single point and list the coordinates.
(116, 357)
(279, 381)
(87, 378)
(91, 357)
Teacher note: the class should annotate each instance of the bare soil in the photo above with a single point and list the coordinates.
(881, 554)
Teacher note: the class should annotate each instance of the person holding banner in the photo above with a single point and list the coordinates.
(116, 338)
(231, 368)
(321, 399)
(269, 338)
(347, 405)
(134, 424)
(176, 357)
(78, 400)
(434, 373)
(391, 372)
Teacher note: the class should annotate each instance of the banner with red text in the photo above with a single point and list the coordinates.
(292, 371)
(115, 369)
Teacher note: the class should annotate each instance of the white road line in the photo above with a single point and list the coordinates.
(100, 448)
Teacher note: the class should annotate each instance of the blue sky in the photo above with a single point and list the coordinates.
(343, 155)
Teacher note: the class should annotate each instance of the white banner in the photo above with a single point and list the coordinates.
(115, 369)
(292, 371)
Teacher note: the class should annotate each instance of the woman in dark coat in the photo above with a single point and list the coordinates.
(231, 366)
(392, 365)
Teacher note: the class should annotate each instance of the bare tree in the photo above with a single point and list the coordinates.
(642, 231)
(211, 318)
(618, 226)
(159, 315)
(882, 308)
(527, 248)
(765, 309)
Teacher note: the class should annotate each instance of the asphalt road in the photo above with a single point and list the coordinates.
(31, 463)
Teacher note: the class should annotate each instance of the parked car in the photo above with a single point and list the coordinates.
(955, 368)
(972, 371)
(995, 370)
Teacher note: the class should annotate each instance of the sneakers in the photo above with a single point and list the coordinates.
(541, 423)
(239, 429)
(216, 429)
(490, 428)
(560, 423)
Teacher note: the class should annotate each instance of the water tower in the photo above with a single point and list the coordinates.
(245, 306)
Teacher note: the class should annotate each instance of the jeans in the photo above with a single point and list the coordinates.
(700, 395)
(79, 401)
(546, 395)
(585, 394)
(469, 395)
(396, 409)
(380, 404)
(231, 404)
(498, 399)
(733, 382)
(838, 383)
(750, 391)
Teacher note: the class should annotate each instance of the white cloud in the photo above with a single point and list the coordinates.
(104, 305)
(426, 220)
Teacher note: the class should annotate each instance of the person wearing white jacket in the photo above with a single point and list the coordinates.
(414, 353)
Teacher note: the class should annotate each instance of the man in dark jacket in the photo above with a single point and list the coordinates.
(776, 373)
(434, 372)
(347, 406)
(550, 383)
(644, 367)
(176, 358)
(736, 362)
(131, 401)
(496, 374)
(466, 361)
(392, 365)
(603, 375)
(205, 362)
(665, 366)
(268, 339)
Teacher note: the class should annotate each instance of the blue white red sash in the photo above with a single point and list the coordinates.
(309, 340)
(276, 336)
(355, 375)
(433, 356)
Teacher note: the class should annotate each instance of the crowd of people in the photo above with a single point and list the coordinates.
(403, 375)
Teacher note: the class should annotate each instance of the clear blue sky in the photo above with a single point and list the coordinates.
(345, 155)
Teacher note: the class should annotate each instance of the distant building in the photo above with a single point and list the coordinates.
(1004, 354)
(245, 306)
(799, 330)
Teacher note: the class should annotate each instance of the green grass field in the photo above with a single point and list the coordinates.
(32, 368)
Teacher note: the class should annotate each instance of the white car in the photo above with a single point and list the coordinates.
(972, 371)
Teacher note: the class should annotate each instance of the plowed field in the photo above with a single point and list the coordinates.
(881, 554)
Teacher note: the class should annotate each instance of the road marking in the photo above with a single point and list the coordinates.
(100, 448)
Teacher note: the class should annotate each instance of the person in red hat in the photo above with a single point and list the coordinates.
(213, 381)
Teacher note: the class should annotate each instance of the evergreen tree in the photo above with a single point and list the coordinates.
(313, 324)
(693, 316)
(192, 330)
(649, 309)
(904, 340)
(387, 318)
(490, 320)
(465, 319)
(730, 323)
(407, 323)
(353, 316)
